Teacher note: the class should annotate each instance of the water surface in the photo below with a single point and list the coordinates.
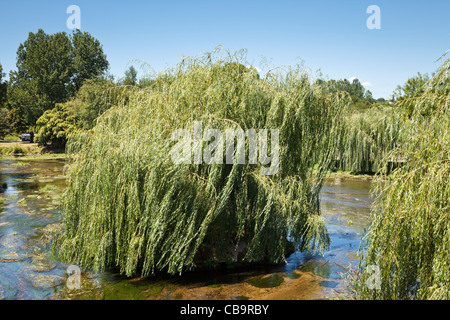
(30, 208)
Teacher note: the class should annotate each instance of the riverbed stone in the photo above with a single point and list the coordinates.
(41, 264)
(44, 281)
(11, 256)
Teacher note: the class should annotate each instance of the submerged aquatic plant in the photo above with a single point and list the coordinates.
(409, 235)
(128, 204)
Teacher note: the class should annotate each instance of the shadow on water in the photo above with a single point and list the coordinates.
(29, 200)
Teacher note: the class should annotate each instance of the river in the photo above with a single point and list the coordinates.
(29, 198)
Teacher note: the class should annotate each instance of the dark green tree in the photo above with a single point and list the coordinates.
(50, 68)
(44, 69)
(16, 121)
(4, 123)
(89, 61)
(3, 86)
(357, 90)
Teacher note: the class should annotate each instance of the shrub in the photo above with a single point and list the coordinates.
(54, 126)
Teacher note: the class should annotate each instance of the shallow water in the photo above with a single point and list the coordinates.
(29, 207)
(27, 272)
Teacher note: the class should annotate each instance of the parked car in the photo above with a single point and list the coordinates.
(26, 137)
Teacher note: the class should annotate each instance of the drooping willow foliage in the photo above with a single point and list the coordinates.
(409, 234)
(128, 204)
(366, 139)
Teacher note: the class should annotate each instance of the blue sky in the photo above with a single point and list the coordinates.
(328, 35)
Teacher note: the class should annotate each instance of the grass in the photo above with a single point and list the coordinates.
(10, 137)
(348, 174)
(19, 150)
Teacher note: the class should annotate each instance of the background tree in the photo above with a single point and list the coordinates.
(89, 60)
(415, 86)
(16, 121)
(81, 112)
(130, 77)
(50, 68)
(93, 99)
(357, 90)
(3, 86)
(4, 113)
(44, 71)
(4, 124)
(362, 99)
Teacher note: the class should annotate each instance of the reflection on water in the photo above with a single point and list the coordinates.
(29, 200)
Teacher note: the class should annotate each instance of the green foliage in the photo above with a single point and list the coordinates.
(130, 77)
(367, 138)
(361, 98)
(127, 204)
(409, 234)
(50, 68)
(55, 126)
(89, 61)
(44, 70)
(80, 113)
(11, 137)
(16, 121)
(93, 99)
(11, 151)
(3, 86)
(369, 131)
(4, 123)
(414, 87)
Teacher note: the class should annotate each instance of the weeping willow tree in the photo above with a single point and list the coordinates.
(128, 204)
(409, 235)
(366, 139)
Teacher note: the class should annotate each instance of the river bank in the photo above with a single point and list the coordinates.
(11, 149)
